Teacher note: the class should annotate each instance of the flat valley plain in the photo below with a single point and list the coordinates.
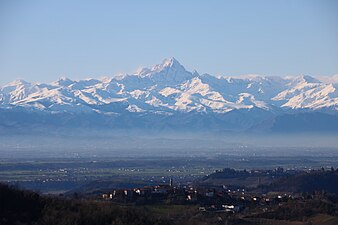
(42, 171)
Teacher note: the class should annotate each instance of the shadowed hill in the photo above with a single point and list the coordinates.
(25, 208)
(308, 182)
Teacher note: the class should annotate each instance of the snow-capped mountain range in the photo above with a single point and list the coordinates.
(167, 90)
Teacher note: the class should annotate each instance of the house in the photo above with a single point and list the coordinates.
(105, 196)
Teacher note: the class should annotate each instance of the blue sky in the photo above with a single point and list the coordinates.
(42, 40)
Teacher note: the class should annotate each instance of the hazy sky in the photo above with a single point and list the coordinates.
(41, 40)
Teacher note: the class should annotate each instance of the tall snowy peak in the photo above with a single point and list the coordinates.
(167, 64)
(169, 71)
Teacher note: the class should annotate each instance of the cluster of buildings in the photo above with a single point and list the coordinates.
(216, 198)
(210, 199)
(132, 194)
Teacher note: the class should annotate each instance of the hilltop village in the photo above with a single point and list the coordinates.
(260, 195)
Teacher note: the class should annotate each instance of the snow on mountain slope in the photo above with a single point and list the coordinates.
(263, 88)
(321, 96)
(168, 88)
(308, 93)
(16, 90)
